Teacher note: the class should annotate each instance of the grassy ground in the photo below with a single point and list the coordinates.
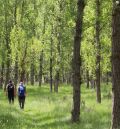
(45, 110)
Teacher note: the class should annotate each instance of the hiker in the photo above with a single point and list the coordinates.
(21, 95)
(10, 91)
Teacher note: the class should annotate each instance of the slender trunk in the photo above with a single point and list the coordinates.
(63, 75)
(57, 76)
(32, 75)
(51, 77)
(32, 70)
(15, 12)
(22, 75)
(22, 11)
(41, 59)
(36, 78)
(16, 71)
(27, 77)
(59, 36)
(77, 62)
(51, 65)
(98, 90)
(92, 82)
(16, 59)
(116, 65)
(69, 78)
(7, 40)
(23, 63)
(33, 52)
(8, 61)
(7, 72)
(2, 76)
(87, 76)
(41, 68)
(107, 78)
(56, 83)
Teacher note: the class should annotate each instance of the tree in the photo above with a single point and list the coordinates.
(51, 63)
(41, 55)
(116, 64)
(8, 26)
(77, 62)
(16, 58)
(98, 48)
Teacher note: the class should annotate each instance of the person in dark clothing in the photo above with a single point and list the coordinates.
(10, 90)
(21, 95)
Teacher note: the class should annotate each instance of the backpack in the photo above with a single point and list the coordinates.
(10, 88)
(21, 91)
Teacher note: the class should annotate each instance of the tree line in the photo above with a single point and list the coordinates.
(61, 41)
(37, 41)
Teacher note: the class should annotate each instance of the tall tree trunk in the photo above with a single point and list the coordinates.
(116, 65)
(27, 77)
(63, 75)
(15, 12)
(107, 78)
(77, 62)
(41, 58)
(57, 76)
(32, 74)
(16, 58)
(88, 78)
(2, 75)
(98, 47)
(7, 40)
(22, 75)
(56, 83)
(7, 71)
(23, 63)
(16, 71)
(59, 36)
(33, 52)
(51, 77)
(41, 68)
(51, 65)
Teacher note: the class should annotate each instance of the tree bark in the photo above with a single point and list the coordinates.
(22, 75)
(77, 62)
(57, 76)
(88, 78)
(63, 75)
(7, 40)
(98, 47)
(32, 75)
(2, 75)
(107, 78)
(116, 65)
(16, 71)
(27, 77)
(41, 68)
(51, 65)
(56, 83)
(41, 58)
(23, 63)
(16, 59)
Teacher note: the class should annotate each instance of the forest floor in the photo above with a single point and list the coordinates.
(45, 110)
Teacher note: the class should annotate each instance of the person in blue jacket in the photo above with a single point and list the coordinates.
(21, 95)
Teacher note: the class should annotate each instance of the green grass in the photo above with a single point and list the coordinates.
(45, 110)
